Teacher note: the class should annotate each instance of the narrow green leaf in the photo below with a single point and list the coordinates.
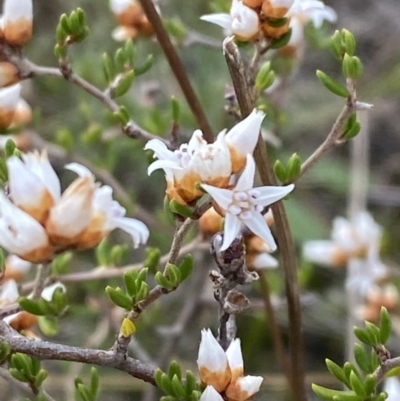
(385, 326)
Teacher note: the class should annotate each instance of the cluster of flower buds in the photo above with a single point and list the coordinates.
(37, 221)
(223, 372)
(225, 169)
(16, 30)
(251, 20)
(131, 19)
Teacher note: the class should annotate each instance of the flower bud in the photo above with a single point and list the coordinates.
(210, 394)
(16, 268)
(212, 362)
(235, 359)
(243, 388)
(9, 98)
(8, 74)
(17, 21)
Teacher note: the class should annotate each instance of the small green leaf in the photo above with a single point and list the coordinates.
(329, 394)
(186, 267)
(31, 306)
(145, 66)
(124, 83)
(282, 41)
(357, 385)
(336, 371)
(191, 382)
(177, 387)
(152, 259)
(163, 281)
(349, 42)
(293, 167)
(280, 171)
(175, 109)
(370, 384)
(108, 68)
(94, 382)
(119, 297)
(385, 326)
(332, 85)
(362, 358)
(174, 370)
(277, 22)
(364, 336)
(40, 377)
(180, 209)
(173, 274)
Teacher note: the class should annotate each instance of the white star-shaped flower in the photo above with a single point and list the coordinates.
(243, 205)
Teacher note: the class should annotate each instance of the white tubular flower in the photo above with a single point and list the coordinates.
(235, 359)
(22, 235)
(210, 394)
(212, 362)
(107, 215)
(9, 98)
(242, 139)
(312, 10)
(17, 21)
(47, 293)
(193, 163)
(34, 185)
(242, 21)
(392, 387)
(9, 292)
(243, 388)
(72, 214)
(244, 205)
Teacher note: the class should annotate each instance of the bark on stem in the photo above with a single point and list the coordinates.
(244, 94)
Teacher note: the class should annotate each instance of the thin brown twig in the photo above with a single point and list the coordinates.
(284, 238)
(178, 69)
(385, 367)
(45, 350)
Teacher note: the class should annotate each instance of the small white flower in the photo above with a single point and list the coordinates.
(107, 215)
(392, 387)
(210, 394)
(34, 185)
(193, 163)
(244, 205)
(242, 21)
(264, 261)
(17, 21)
(213, 362)
(22, 235)
(47, 293)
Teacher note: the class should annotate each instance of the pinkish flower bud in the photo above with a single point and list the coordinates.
(17, 21)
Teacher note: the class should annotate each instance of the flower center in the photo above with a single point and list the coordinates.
(244, 203)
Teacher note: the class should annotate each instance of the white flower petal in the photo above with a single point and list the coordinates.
(250, 384)
(321, 252)
(211, 355)
(163, 164)
(17, 264)
(243, 136)
(270, 195)
(392, 387)
(264, 261)
(246, 179)
(9, 97)
(234, 354)
(119, 6)
(222, 20)
(231, 230)
(160, 150)
(258, 226)
(14, 10)
(47, 293)
(135, 228)
(222, 196)
(79, 169)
